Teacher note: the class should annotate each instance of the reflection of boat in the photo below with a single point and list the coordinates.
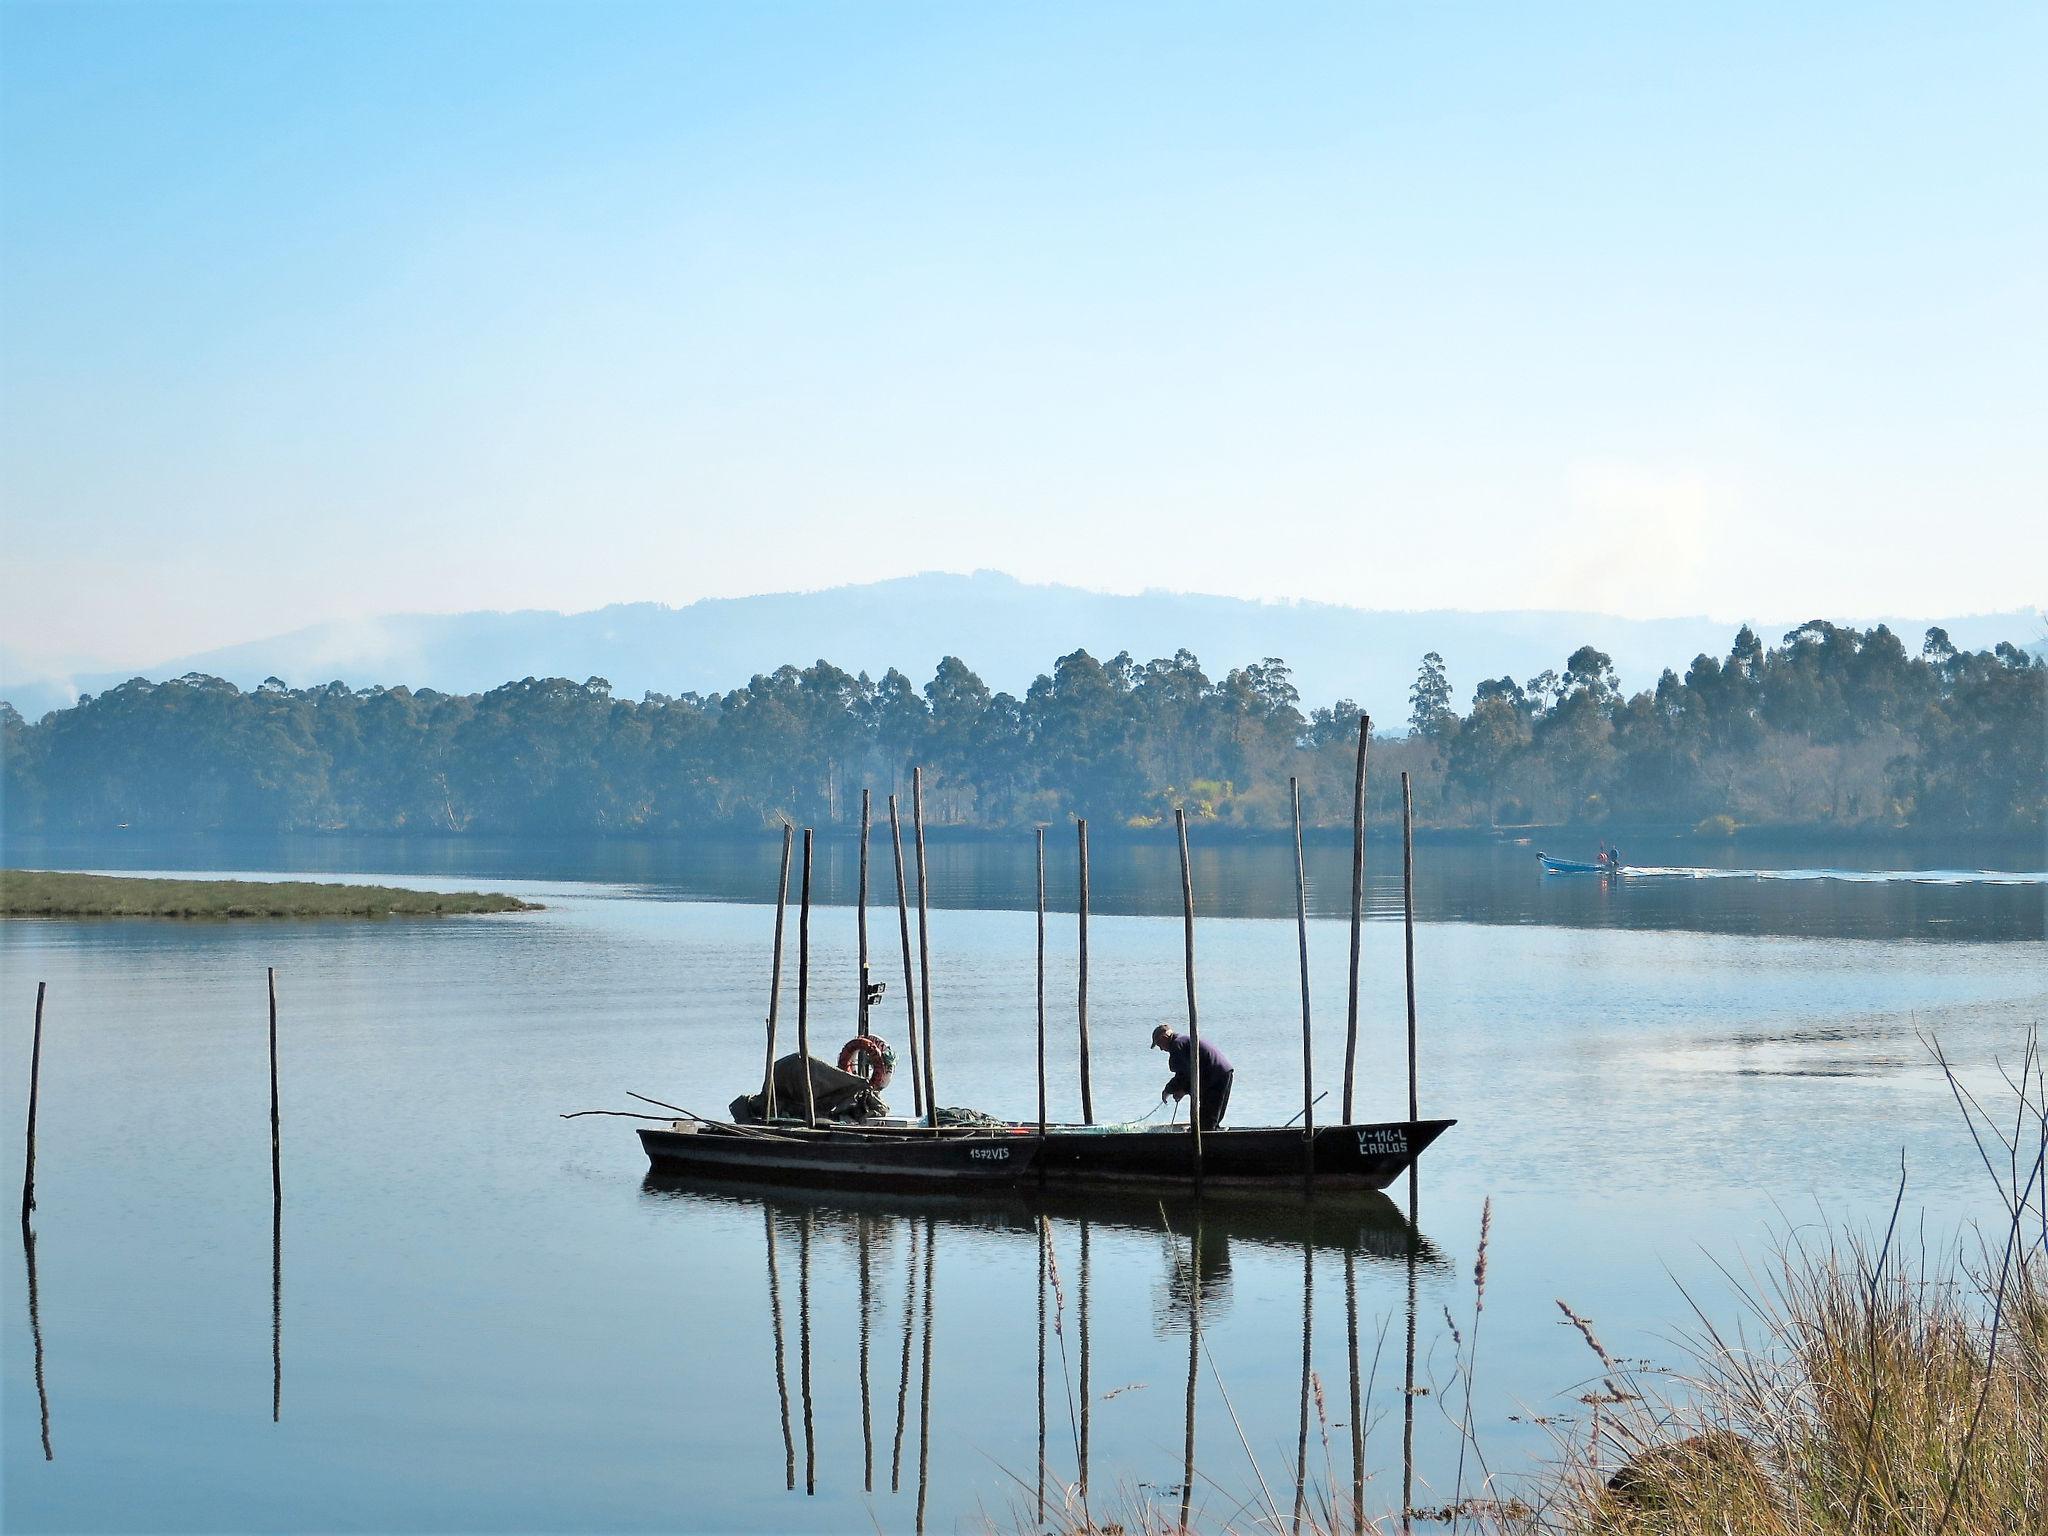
(1370, 1225)
(1553, 866)
(1331, 1158)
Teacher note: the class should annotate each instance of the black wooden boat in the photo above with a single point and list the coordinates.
(851, 1155)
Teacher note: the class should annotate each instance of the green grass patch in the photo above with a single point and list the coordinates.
(41, 893)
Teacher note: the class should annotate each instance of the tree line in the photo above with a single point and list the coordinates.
(1833, 725)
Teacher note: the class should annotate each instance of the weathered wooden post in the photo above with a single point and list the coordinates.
(1357, 912)
(909, 982)
(803, 988)
(1408, 926)
(775, 979)
(1187, 901)
(1041, 984)
(861, 909)
(35, 1083)
(1308, 1085)
(924, 943)
(276, 1169)
(1087, 1086)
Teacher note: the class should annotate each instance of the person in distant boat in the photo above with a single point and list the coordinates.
(1614, 858)
(1217, 1074)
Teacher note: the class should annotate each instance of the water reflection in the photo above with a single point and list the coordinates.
(1192, 1291)
(1893, 890)
(35, 1328)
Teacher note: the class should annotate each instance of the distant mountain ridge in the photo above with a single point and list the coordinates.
(1008, 631)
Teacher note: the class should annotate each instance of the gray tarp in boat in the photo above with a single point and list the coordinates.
(837, 1095)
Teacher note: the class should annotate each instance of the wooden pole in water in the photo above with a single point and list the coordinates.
(775, 978)
(1187, 901)
(276, 1168)
(909, 983)
(861, 908)
(924, 1408)
(1041, 1364)
(1308, 1331)
(803, 988)
(1041, 987)
(1087, 1086)
(1357, 1396)
(924, 943)
(35, 1083)
(1308, 1083)
(1357, 911)
(1408, 925)
(1086, 1361)
(35, 1328)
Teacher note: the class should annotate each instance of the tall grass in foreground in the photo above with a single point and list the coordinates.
(1862, 1392)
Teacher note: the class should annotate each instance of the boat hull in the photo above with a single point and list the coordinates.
(1334, 1159)
(837, 1158)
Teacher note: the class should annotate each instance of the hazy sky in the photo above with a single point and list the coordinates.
(312, 311)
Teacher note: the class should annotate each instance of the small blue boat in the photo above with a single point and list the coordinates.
(1575, 866)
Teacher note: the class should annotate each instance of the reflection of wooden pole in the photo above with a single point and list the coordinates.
(35, 1083)
(924, 1409)
(803, 1345)
(1408, 927)
(867, 1417)
(1187, 901)
(276, 1311)
(775, 978)
(35, 1328)
(1187, 1478)
(1357, 1403)
(1308, 1330)
(1041, 1358)
(1408, 1375)
(781, 1366)
(1087, 1088)
(924, 944)
(909, 984)
(1086, 1399)
(903, 1381)
(1308, 1075)
(861, 908)
(1357, 911)
(1041, 1047)
(803, 988)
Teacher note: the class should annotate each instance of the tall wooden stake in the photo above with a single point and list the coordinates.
(35, 1083)
(861, 907)
(276, 1168)
(1187, 901)
(1087, 1087)
(803, 988)
(1357, 912)
(1308, 1083)
(1041, 982)
(1408, 923)
(775, 978)
(909, 982)
(924, 943)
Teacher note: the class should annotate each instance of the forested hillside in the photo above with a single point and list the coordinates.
(1833, 725)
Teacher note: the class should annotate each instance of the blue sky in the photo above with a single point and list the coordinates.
(318, 311)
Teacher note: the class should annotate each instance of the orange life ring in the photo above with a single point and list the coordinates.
(869, 1056)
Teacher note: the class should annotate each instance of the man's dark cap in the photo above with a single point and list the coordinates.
(1161, 1035)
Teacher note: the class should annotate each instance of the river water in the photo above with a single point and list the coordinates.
(475, 1315)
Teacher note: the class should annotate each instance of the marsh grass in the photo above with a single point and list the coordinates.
(40, 893)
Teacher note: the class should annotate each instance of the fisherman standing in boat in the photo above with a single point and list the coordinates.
(1217, 1074)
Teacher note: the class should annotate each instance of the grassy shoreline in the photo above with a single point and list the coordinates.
(28, 893)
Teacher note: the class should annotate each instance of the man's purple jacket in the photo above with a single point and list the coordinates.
(1216, 1068)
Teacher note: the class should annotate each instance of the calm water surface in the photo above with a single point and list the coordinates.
(488, 1318)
